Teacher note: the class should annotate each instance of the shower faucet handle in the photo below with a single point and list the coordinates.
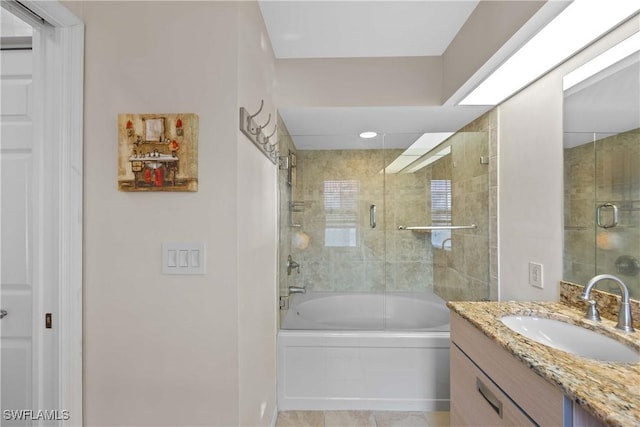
(291, 264)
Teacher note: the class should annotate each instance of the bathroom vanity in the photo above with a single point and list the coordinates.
(499, 377)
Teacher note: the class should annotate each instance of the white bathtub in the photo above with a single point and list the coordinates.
(331, 310)
(340, 353)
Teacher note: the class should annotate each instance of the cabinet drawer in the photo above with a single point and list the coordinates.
(476, 400)
(539, 399)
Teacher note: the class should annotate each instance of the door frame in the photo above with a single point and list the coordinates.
(59, 80)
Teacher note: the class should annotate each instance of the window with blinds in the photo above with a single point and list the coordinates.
(341, 213)
(441, 212)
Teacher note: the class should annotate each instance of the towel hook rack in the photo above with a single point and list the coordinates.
(266, 139)
(255, 132)
(252, 116)
(264, 125)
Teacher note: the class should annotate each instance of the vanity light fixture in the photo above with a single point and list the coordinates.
(579, 24)
(368, 135)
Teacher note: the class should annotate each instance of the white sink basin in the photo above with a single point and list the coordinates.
(572, 339)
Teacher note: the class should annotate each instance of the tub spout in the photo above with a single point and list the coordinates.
(296, 290)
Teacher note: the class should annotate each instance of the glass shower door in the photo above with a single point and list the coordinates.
(617, 207)
(437, 194)
(347, 220)
(333, 215)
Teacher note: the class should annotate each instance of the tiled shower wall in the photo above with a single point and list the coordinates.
(462, 273)
(608, 171)
(411, 263)
(359, 265)
(285, 146)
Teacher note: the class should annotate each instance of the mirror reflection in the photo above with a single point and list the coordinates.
(602, 176)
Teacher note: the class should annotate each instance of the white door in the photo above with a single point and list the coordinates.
(41, 219)
(19, 293)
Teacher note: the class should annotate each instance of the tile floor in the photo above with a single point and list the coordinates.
(362, 419)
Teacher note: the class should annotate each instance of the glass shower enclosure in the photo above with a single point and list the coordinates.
(397, 215)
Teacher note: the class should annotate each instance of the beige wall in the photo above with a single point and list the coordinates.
(177, 350)
(257, 233)
(531, 178)
(352, 82)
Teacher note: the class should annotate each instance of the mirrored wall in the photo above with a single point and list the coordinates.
(602, 176)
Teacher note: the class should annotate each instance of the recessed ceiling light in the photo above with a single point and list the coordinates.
(368, 135)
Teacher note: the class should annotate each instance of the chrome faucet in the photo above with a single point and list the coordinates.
(292, 265)
(296, 290)
(625, 321)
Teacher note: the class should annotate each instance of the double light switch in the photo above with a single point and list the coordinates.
(183, 258)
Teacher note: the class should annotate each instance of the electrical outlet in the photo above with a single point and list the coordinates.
(535, 275)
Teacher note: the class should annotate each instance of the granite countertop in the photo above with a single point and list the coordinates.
(608, 391)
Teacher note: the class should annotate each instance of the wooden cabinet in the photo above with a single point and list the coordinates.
(490, 387)
(525, 394)
(475, 398)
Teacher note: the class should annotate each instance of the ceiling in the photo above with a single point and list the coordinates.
(399, 127)
(357, 29)
(311, 30)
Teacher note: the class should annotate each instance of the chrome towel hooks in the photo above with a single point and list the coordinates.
(257, 133)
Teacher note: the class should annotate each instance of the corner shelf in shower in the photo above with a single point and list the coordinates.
(295, 206)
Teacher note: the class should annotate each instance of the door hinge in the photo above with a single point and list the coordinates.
(47, 320)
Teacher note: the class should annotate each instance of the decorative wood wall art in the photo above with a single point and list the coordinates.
(158, 152)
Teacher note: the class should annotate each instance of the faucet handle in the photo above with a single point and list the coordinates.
(292, 265)
(592, 311)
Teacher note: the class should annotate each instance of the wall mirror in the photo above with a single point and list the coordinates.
(154, 129)
(602, 175)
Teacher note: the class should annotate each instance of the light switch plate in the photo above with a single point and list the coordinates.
(183, 258)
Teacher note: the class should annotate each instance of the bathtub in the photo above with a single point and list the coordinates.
(339, 352)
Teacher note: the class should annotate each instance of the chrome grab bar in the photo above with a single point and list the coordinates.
(372, 216)
(439, 227)
(615, 215)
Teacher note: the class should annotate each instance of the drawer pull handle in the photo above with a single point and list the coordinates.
(489, 397)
